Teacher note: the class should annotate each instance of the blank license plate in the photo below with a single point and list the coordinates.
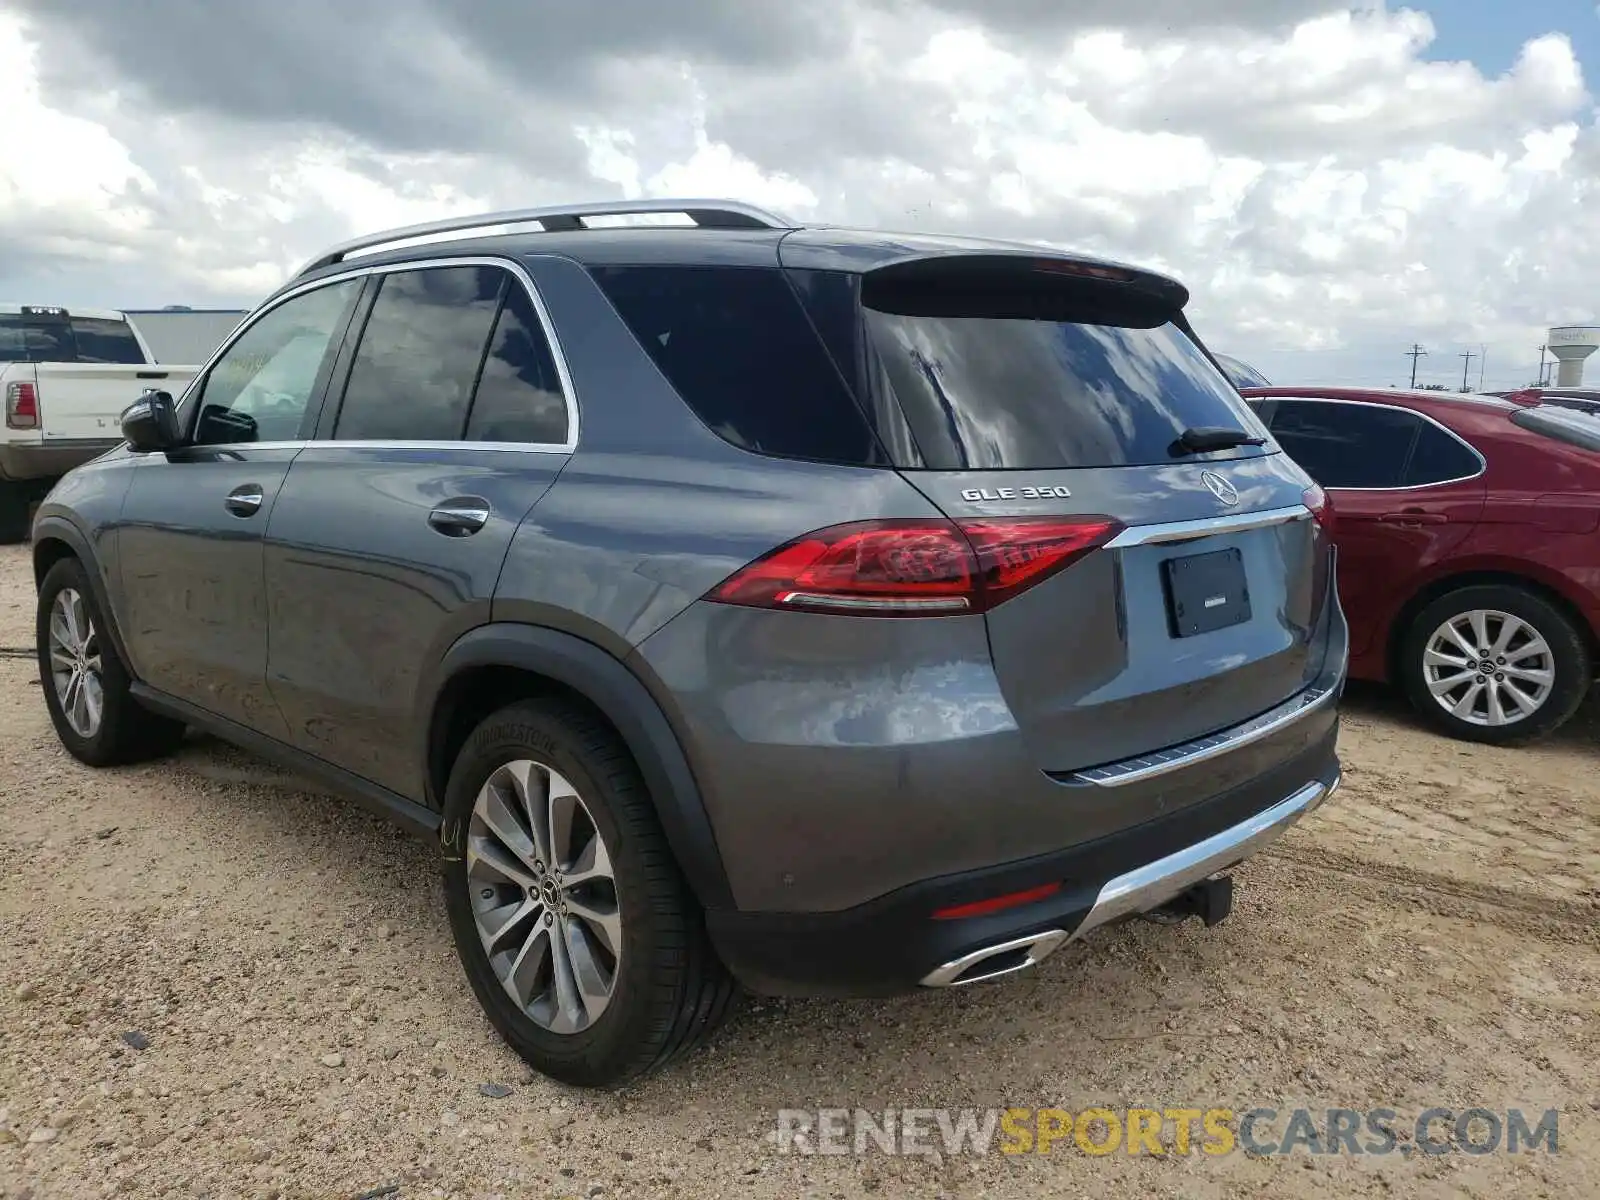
(1205, 592)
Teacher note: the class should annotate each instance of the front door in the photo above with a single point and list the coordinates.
(387, 542)
(190, 537)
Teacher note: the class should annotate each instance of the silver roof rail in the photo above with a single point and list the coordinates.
(707, 214)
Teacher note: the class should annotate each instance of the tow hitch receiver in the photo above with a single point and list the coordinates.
(1211, 900)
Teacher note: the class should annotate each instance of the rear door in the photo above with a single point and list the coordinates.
(1406, 493)
(1070, 399)
(450, 421)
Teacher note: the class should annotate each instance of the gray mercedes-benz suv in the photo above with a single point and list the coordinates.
(828, 611)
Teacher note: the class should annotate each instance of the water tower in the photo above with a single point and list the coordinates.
(1571, 344)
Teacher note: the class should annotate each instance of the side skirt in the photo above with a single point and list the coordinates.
(408, 814)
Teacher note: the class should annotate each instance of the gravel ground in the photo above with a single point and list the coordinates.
(216, 982)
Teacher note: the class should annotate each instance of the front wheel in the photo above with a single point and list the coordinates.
(1495, 663)
(575, 927)
(87, 687)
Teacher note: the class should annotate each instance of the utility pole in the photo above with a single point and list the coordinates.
(1483, 362)
(1540, 377)
(1466, 362)
(1415, 353)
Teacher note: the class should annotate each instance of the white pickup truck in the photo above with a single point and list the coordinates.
(65, 377)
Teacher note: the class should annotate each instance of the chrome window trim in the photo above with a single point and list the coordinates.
(1183, 531)
(517, 270)
(1203, 749)
(1483, 463)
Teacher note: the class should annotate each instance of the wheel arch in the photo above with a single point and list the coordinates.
(498, 663)
(56, 538)
(1443, 585)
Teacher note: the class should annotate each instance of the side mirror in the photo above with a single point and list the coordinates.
(150, 423)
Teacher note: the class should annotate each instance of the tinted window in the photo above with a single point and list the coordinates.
(519, 396)
(1438, 457)
(259, 389)
(100, 341)
(987, 392)
(1347, 445)
(29, 337)
(419, 355)
(1573, 426)
(735, 344)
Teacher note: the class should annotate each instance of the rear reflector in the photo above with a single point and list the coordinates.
(22, 406)
(1321, 506)
(982, 908)
(915, 566)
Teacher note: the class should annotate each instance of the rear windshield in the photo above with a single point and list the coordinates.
(982, 392)
(58, 338)
(1574, 426)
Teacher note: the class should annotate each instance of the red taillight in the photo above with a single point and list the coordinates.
(982, 908)
(1321, 506)
(914, 566)
(22, 406)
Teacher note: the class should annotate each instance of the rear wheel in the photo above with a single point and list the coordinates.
(86, 686)
(1495, 663)
(575, 928)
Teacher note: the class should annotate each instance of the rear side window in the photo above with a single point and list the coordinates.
(57, 337)
(414, 371)
(738, 348)
(1347, 445)
(1026, 392)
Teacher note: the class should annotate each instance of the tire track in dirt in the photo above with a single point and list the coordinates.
(1559, 919)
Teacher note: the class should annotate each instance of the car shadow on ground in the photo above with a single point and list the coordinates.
(1365, 699)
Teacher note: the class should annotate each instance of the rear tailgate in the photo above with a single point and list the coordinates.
(1069, 399)
(85, 401)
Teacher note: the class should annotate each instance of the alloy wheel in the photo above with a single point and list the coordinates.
(75, 663)
(544, 896)
(1488, 667)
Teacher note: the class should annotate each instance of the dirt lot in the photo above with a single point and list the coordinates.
(1430, 938)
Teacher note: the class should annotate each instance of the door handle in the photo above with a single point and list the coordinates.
(460, 519)
(1414, 517)
(245, 501)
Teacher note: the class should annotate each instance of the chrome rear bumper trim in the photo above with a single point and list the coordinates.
(1152, 885)
(1176, 758)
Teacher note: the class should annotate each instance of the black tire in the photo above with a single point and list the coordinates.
(16, 501)
(127, 732)
(670, 990)
(1569, 652)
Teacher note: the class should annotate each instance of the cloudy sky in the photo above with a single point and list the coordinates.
(1333, 182)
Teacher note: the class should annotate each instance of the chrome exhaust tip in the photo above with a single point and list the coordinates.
(991, 962)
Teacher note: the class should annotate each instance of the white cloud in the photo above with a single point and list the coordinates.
(1328, 192)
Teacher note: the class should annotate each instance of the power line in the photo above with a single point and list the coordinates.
(1415, 353)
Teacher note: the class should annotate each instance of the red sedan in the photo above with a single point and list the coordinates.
(1468, 530)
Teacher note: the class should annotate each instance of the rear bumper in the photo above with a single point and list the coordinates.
(49, 459)
(893, 944)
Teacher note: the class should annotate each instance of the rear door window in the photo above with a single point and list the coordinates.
(1440, 457)
(419, 356)
(985, 392)
(519, 396)
(1344, 445)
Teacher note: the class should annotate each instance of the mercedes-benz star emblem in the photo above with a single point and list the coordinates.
(1220, 487)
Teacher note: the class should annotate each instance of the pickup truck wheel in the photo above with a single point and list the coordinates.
(1495, 663)
(573, 923)
(86, 686)
(15, 500)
